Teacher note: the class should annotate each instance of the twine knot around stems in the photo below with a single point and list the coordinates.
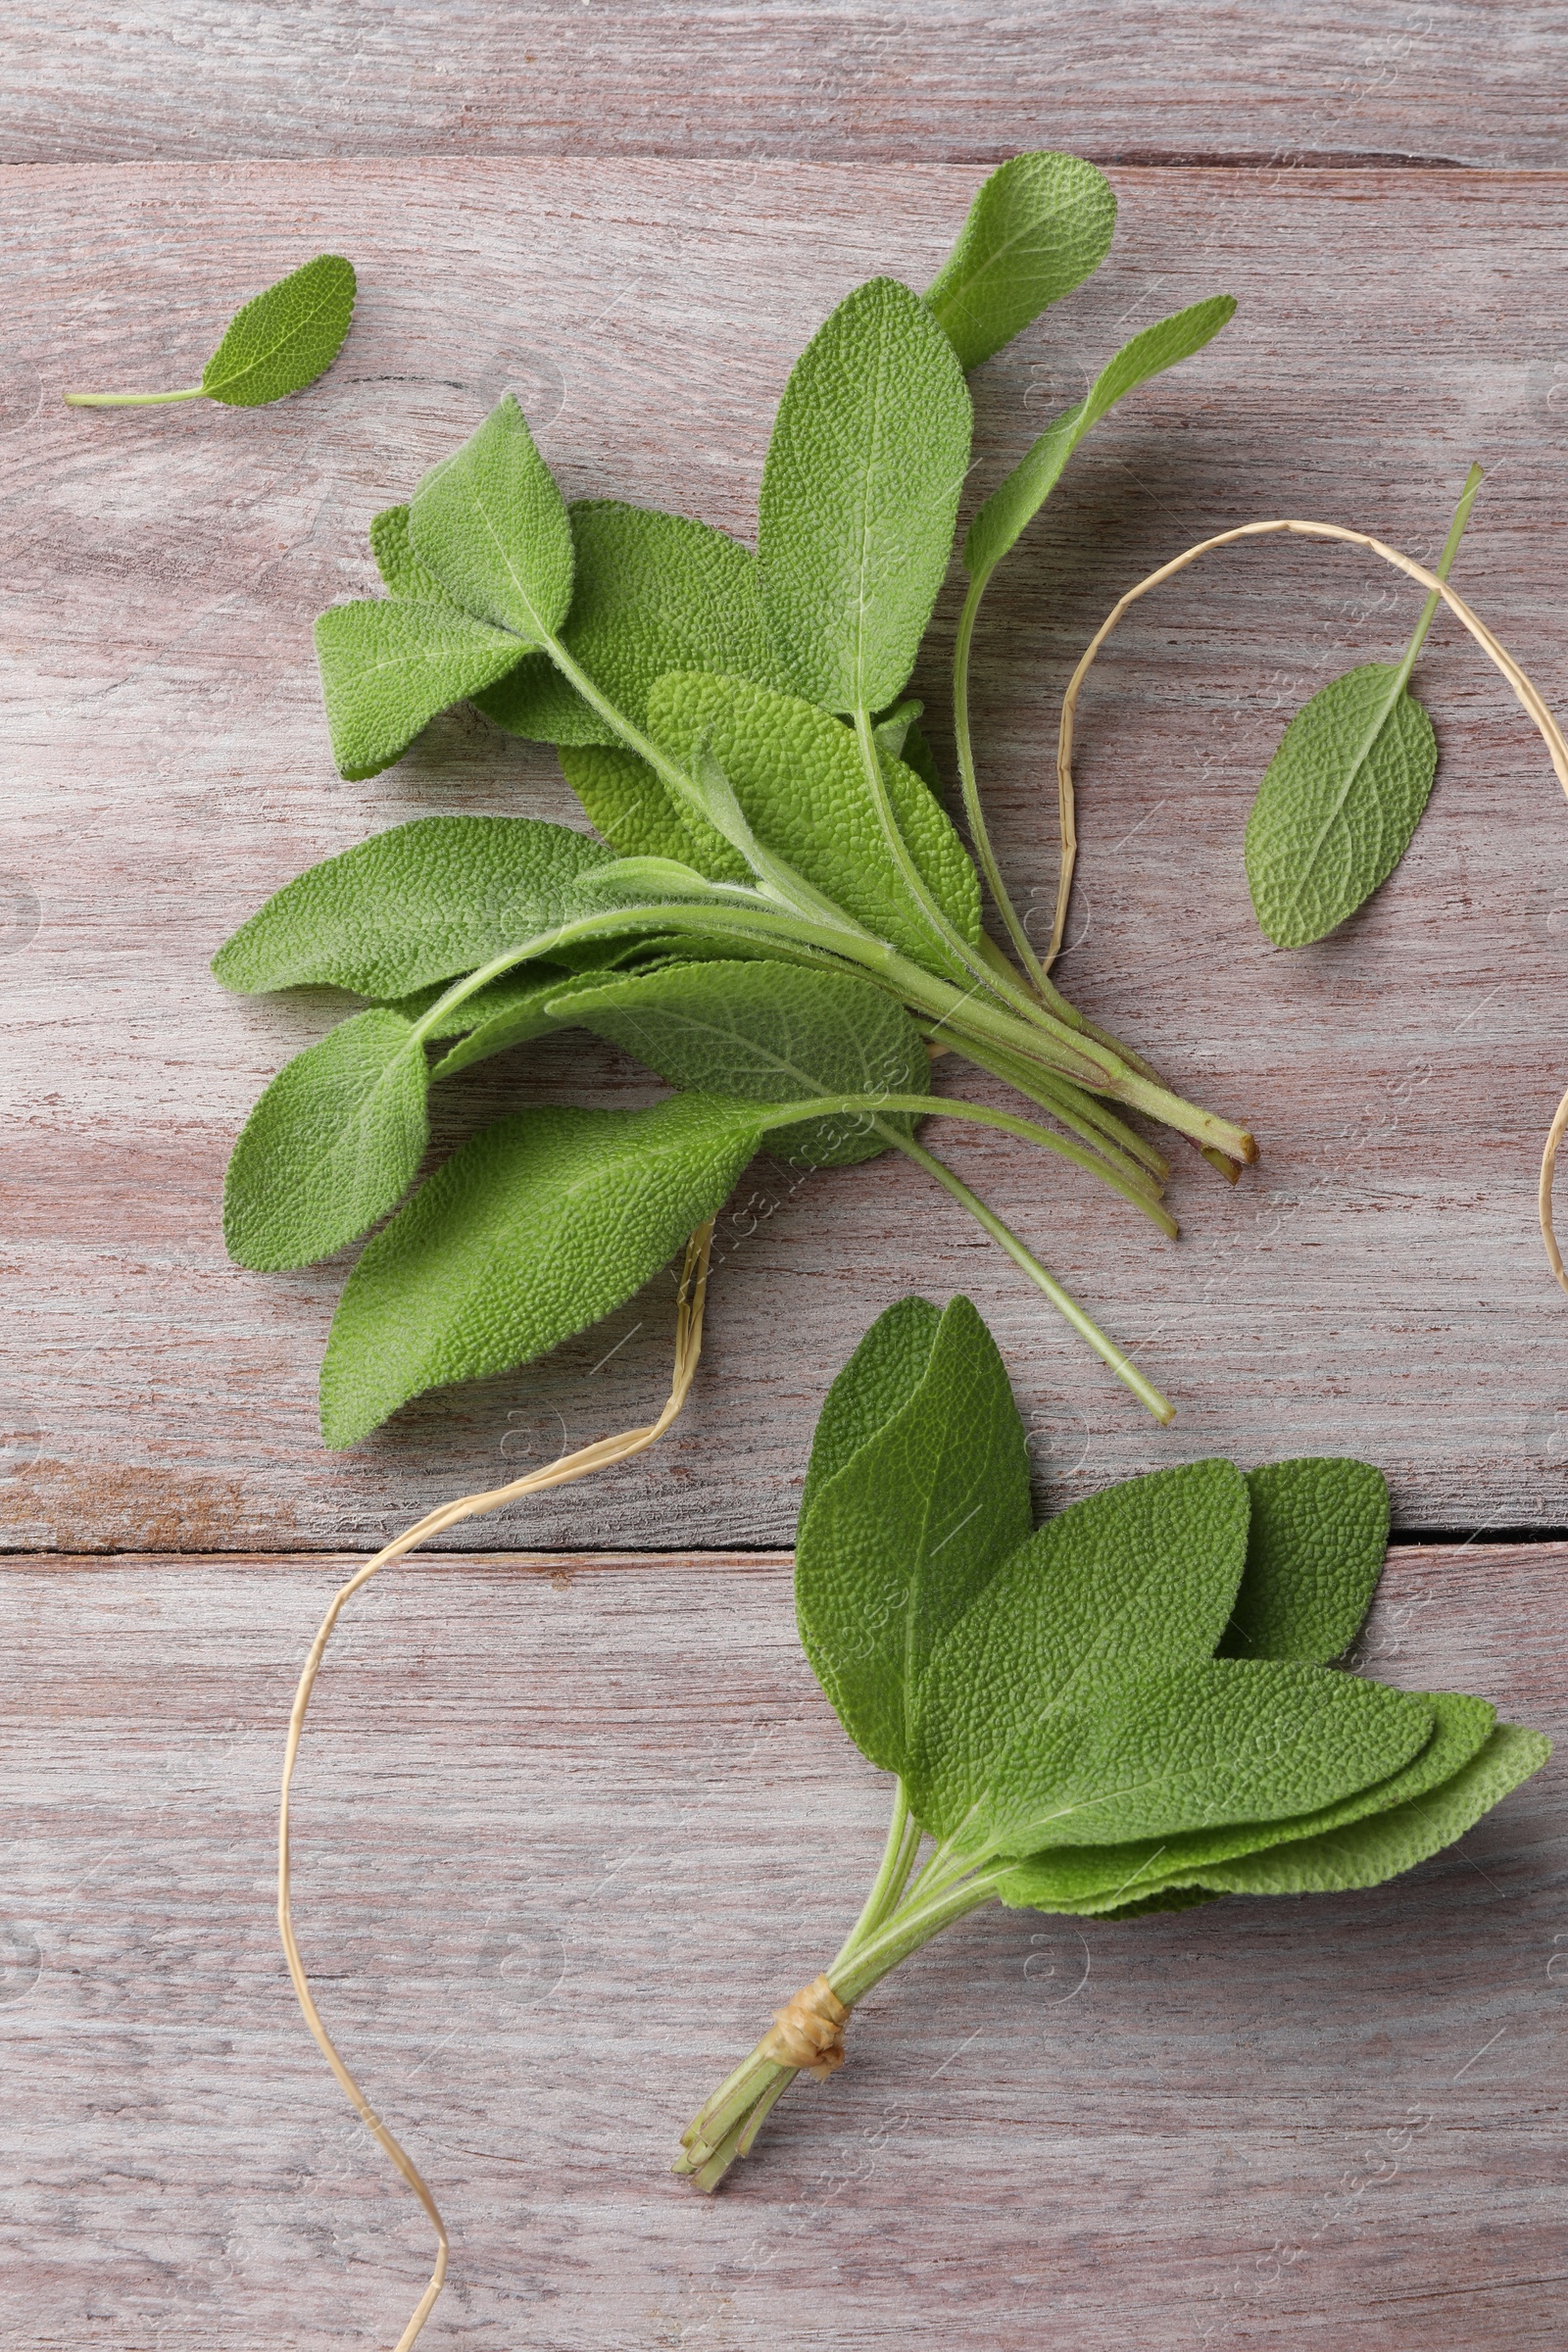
(808, 2032)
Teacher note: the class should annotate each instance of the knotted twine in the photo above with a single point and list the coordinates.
(808, 2030)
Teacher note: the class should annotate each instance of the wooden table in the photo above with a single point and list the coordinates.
(574, 1816)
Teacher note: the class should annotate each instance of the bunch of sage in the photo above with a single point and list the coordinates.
(786, 926)
(1128, 1709)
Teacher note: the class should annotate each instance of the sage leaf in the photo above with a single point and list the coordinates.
(1203, 1745)
(768, 1033)
(512, 1012)
(1314, 1553)
(1345, 790)
(1146, 1570)
(332, 1145)
(902, 1536)
(421, 902)
(277, 344)
(652, 593)
(1097, 1879)
(1038, 227)
(491, 524)
(859, 496)
(389, 667)
(881, 1376)
(402, 572)
(1387, 1844)
(1015, 503)
(532, 1231)
(627, 801)
(798, 776)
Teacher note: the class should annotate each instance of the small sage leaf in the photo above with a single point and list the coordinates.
(1314, 1553)
(402, 572)
(512, 1012)
(860, 496)
(285, 338)
(1039, 226)
(627, 801)
(491, 524)
(532, 1231)
(332, 1145)
(387, 668)
(421, 902)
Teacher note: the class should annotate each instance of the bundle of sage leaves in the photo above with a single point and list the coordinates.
(778, 918)
(1127, 1709)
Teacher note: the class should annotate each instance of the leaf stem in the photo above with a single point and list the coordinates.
(1064, 1303)
(130, 400)
(897, 1859)
(1444, 565)
(970, 786)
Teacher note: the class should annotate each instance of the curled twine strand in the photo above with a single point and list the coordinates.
(602, 1456)
(1529, 696)
(808, 2030)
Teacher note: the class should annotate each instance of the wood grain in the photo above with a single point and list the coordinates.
(566, 1831)
(1439, 80)
(1375, 1285)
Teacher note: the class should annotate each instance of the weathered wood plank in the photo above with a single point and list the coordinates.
(1375, 1285)
(562, 1840)
(1448, 81)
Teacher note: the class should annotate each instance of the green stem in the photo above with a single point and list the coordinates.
(852, 1977)
(970, 786)
(1083, 1112)
(1451, 548)
(130, 400)
(897, 1859)
(1064, 1303)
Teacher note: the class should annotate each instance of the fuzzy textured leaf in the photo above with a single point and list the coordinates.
(653, 592)
(878, 1381)
(402, 572)
(859, 496)
(768, 1033)
(1338, 803)
(1039, 226)
(797, 774)
(332, 1145)
(1314, 1553)
(1016, 501)
(285, 338)
(511, 1010)
(533, 1229)
(903, 1536)
(388, 667)
(626, 801)
(421, 902)
(1146, 1571)
(491, 524)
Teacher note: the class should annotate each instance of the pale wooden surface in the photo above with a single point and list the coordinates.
(566, 1833)
(1376, 1285)
(1136, 80)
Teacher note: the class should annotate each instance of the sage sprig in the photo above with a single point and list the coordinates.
(784, 924)
(277, 344)
(1127, 1709)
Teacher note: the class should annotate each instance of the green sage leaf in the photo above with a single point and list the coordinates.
(512, 1012)
(903, 1535)
(1314, 1553)
(285, 338)
(332, 1145)
(1016, 501)
(491, 524)
(402, 572)
(626, 801)
(389, 668)
(878, 1381)
(798, 776)
(1039, 226)
(652, 593)
(1339, 803)
(421, 902)
(859, 496)
(768, 1033)
(530, 1232)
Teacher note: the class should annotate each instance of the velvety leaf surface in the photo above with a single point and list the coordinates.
(1145, 1573)
(402, 572)
(905, 1534)
(533, 1229)
(285, 338)
(332, 1145)
(1019, 499)
(768, 1033)
(491, 524)
(1195, 1746)
(797, 774)
(859, 496)
(653, 592)
(1338, 803)
(421, 902)
(510, 1011)
(1314, 1553)
(626, 801)
(1093, 1880)
(389, 667)
(1039, 226)
(878, 1382)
